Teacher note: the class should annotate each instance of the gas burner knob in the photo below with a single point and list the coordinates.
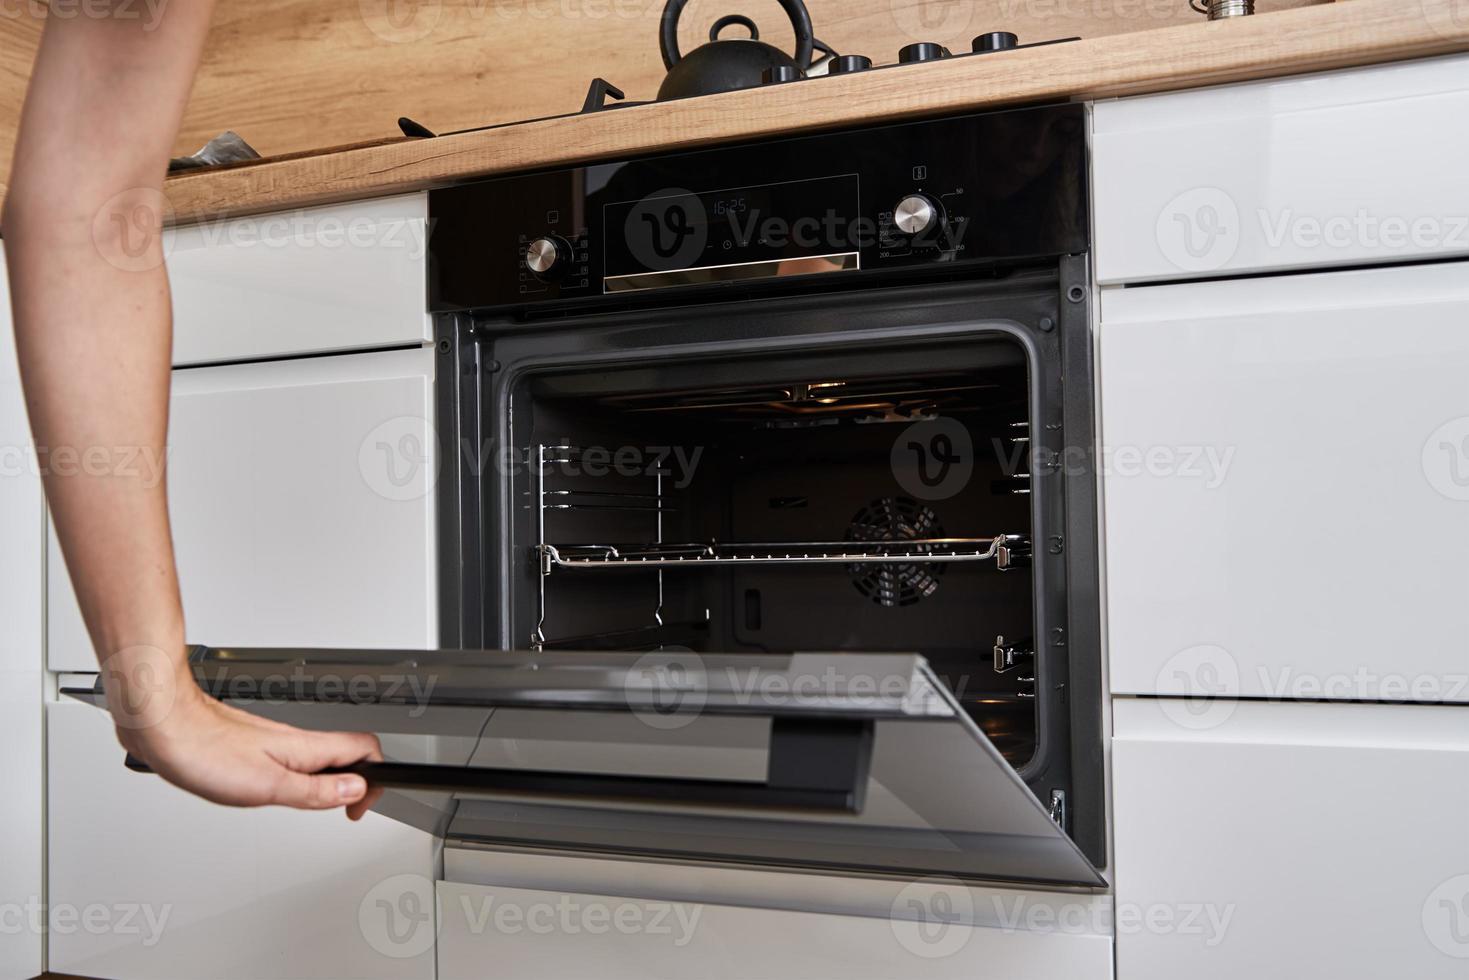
(548, 256)
(780, 73)
(921, 51)
(916, 213)
(842, 64)
(995, 41)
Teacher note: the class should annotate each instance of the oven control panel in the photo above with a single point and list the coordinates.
(934, 197)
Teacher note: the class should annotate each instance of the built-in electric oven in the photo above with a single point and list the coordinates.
(774, 463)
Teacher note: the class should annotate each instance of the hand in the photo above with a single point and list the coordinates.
(228, 756)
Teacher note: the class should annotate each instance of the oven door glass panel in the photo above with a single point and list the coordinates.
(841, 761)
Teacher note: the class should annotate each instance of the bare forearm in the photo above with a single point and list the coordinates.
(91, 302)
(93, 330)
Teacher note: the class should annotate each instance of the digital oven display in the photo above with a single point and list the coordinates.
(678, 237)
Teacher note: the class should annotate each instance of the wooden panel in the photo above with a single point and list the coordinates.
(1282, 43)
(18, 38)
(295, 75)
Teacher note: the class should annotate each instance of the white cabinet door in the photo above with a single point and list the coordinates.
(150, 883)
(301, 506)
(1342, 168)
(1277, 841)
(302, 516)
(492, 932)
(1286, 484)
(22, 553)
(342, 277)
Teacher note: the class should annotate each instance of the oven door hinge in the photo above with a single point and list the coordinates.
(1058, 807)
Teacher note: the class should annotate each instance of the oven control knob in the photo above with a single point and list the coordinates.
(548, 255)
(916, 214)
(842, 64)
(922, 51)
(995, 41)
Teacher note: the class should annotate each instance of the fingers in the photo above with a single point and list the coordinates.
(306, 751)
(310, 752)
(297, 789)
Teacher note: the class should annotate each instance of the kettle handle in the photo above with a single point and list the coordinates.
(795, 10)
(728, 19)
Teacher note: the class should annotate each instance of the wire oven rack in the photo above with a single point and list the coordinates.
(1002, 549)
(1005, 550)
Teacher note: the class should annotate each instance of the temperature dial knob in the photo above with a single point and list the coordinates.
(916, 214)
(548, 256)
(922, 51)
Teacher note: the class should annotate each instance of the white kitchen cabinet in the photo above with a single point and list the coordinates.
(300, 498)
(516, 916)
(1286, 485)
(342, 277)
(1293, 839)
(179, 888)
(1342, 168)
(302, 515)
(22, 552)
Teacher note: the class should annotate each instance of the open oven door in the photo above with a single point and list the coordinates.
(861, 762)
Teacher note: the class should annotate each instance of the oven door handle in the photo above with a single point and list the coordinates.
(815, 764)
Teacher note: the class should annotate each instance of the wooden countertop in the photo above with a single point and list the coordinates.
(1315, 38)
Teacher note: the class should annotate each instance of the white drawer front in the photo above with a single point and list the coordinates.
(349, 276)
(149, 883)
(1286, 488)
(1315, 840)
(1343, 168)
(502, 933)
(290, 529)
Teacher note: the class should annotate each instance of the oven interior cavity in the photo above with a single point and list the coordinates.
(866, 500)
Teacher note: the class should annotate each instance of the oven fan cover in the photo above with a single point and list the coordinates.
(894, 584)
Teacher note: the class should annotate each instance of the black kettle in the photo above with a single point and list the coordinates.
(732, 63)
